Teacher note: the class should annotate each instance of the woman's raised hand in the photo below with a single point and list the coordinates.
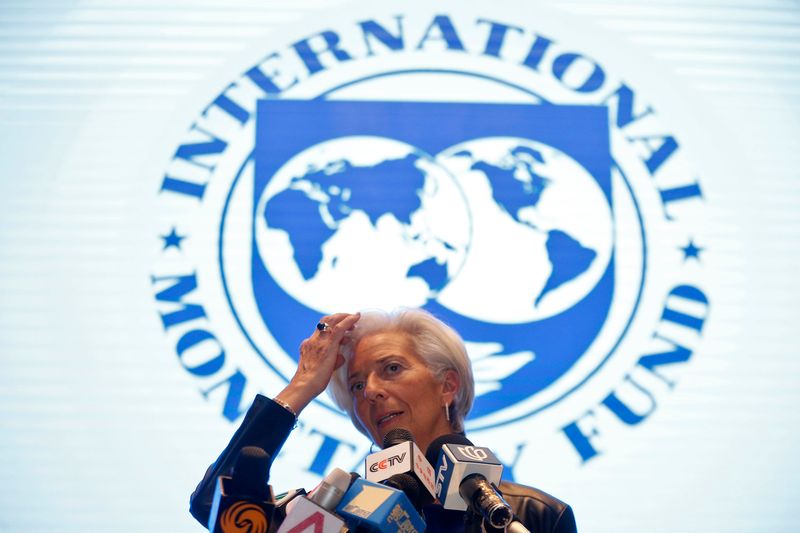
(320, 356)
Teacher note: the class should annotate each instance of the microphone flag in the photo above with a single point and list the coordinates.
(308, 517)
(457, 461)
(378, 508)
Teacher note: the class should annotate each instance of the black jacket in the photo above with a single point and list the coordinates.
(267, 425)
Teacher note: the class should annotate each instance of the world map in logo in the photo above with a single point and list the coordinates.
(426, 227)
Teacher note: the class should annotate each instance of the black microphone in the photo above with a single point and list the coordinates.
(400, 455)
(243, 500)
(397, 436)
(411, 487)
(466, 477)
(483, 498)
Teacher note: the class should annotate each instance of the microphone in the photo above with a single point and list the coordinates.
(369, 507)
(331, 489)
(315, 512)
(466, 477)
(411, 487)
(243, 500)
(401, 455)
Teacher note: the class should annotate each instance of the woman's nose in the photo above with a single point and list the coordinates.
(373, 389)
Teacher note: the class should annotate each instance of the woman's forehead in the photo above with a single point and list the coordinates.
(379, 345)
(385, 340)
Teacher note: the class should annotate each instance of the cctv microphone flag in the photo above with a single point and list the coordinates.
(398, 459)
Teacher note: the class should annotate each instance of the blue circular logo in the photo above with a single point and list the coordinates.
(525, 211)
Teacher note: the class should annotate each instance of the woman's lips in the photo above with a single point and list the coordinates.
(388, 418)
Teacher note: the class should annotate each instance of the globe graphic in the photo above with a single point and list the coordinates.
(502, 230)
(359, 222)
(542, 231)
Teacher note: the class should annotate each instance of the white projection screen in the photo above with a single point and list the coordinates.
(602, 197)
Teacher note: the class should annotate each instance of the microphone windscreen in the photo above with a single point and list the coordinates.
(435, 447)
(251, 472)
(340, 478)
(410, 486)
(329, 492)
(396, 436)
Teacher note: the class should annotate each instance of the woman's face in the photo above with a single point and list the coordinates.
(392, 388)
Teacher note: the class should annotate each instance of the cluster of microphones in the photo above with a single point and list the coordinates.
(398, 483)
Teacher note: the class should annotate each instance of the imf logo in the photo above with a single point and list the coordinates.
(512, 187)
(496, 222)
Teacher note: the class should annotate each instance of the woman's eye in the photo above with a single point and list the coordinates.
(393, 367)
(358, 386)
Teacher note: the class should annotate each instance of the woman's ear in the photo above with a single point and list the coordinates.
(450, 386)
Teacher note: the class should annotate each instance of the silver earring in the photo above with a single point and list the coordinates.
(447, 411)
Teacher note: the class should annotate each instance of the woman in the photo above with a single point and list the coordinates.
(405, 369)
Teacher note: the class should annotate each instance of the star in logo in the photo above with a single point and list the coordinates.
(173, 240)
(691, 251)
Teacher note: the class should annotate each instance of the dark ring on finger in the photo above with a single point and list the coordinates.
(323, 326)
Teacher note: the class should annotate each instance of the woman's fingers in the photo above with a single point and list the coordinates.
(332, 320)
(343, 325)
(320, 353)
